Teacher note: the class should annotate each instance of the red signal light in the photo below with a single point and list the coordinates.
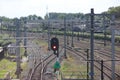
(54, 47)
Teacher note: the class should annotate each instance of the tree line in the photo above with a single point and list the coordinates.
(115, 11)
(54, 15)
(112, 10)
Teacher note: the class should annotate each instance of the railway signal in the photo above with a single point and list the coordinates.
(55, 45)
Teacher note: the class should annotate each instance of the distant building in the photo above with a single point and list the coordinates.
(1, 49)
(117, 32)
(1, 52)
(11, 50)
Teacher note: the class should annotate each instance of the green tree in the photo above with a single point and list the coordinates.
(66, 15)
(114, 10)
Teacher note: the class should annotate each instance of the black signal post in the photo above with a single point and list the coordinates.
(55, 45)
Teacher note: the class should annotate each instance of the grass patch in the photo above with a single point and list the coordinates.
(72, 68)
(22, 50)
(71, 64)
(6, 66)
(41, 42)
(24, 66)
(2, 73)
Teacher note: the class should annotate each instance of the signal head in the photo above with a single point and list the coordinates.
(54, 44)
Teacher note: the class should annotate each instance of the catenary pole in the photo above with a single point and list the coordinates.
(17, 22)
(72, 45)
(92, 45)
(113, 54)
(25, 40)
(65, 38)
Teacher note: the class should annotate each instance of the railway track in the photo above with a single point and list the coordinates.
(101, 53)
(107, 70)
(41, 69)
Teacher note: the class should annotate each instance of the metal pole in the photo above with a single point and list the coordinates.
(25, 40)
(105, 36)
(48, 29)
(92, 45)
(58, 71)
(104, 29)
(82, 32)
(18, 48)
(65, 38)
(87, 22)
(78, 36)
(102, 76)
(113, 54)
(72, 45)
(87, 64)
(1, 25)
(42, 65)
(57, 53)
(48, 35)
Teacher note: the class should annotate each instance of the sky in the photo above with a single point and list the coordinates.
(22, 8)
